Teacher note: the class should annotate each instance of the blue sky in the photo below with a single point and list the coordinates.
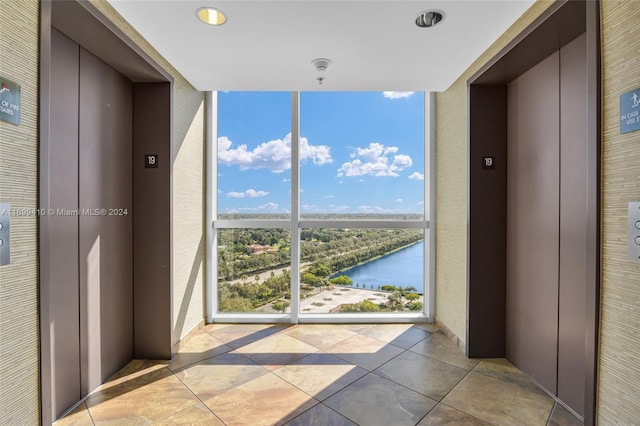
(361, 152)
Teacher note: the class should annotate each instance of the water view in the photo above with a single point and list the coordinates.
(401, 268)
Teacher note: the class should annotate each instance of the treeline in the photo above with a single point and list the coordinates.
(355, 246)
(338, 249)
(236, 258)
(245, 297)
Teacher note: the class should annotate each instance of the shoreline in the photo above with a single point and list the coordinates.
(334, 274)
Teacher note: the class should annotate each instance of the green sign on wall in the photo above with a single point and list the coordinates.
(9, 101)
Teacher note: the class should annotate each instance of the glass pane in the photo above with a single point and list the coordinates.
(361, 270)
(372, 165)
(254, 155)
(254, 270)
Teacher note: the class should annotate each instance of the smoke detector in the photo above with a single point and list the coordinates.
(321, 64)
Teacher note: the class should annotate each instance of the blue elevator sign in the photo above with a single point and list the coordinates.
(630, 111)
(9, 101)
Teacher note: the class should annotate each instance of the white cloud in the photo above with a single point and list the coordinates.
(310, 207)
(375, 160)
(274, 155)
(397, 95)
(329, 196)
(270, 207)
(399, 200)
(249, 193)
(382, 210)
(421, 203)
(416, 176)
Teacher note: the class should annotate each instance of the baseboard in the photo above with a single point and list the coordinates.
(451, 335)
(185, 339)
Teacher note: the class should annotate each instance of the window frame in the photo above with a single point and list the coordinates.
(295, 225)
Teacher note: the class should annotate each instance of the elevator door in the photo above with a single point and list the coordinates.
(91, 306)
(532, 221)
(547, 222)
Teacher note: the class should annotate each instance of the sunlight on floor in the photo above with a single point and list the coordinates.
(351, 374)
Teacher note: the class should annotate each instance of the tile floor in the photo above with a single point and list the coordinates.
(248, 374)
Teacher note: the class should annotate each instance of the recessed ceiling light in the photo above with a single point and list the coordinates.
(429, 18)
(211, 16)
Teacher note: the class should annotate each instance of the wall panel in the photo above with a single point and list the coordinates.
(451, 189)
(19, 358)
(187, 186)
(619, 400)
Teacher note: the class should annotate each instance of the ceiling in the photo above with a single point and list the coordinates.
(373, 45)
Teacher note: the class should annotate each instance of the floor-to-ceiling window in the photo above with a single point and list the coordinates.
(333, 227)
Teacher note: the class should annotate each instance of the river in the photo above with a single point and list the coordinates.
(401, 268)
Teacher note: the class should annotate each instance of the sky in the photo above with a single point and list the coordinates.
(360, 152)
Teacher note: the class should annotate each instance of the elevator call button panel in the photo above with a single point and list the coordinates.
(634, 231)
(5, 233)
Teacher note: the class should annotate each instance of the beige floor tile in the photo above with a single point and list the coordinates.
(332, 363)
(440, 347)
(502, 369)
(499, 402)
(560, 416)
(216, 375)
(320, 415)
(358, 328)
(320, 374)
(200, 346)
(212, 328)
(238, 335)
(402, 335)
(276, 350)
(364, 351)
(79, 416)
(432, 328)
(140, 399)
(374, 401)
(443, 415)
(138, 369)
(320, 335)
(422, 374)
(267, 400)
(192, 416)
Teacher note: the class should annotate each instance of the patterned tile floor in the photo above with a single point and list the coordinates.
(351, 374)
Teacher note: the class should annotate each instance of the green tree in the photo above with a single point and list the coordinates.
(395, 300)
(236, 304)
(280, 306)
(363, 306)
(341, 280)
(309, 278)
(320, 270)
(415, 306)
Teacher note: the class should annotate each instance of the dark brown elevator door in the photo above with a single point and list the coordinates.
(64, 301)
(547, 222)
(106, 234)
(91, 279)
(573, 224)
(532, 221)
